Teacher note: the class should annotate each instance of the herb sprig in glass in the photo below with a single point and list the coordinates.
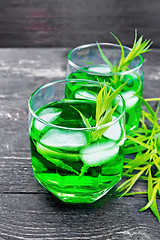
(139, 47)
(104, 110)
(104, 114)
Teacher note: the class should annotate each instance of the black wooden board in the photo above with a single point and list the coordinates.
(39, 216)
(27, 211)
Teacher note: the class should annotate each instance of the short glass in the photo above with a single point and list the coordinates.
(85, 62)
(66, 159)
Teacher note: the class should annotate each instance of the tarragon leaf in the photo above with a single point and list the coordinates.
(108, 116)
(152, 198)
(138, 161)
(131, 182)
(150, 110)
(85, 120)
(83, 170)
(131, 150)
(105, 58)
(109, 100)
(59, 163)
(122, 53)
(136, 140)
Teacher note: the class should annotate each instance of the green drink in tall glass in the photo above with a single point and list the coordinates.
(87, 62)
(77, 163)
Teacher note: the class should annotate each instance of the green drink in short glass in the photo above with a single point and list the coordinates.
(67, 158)
(86, 62)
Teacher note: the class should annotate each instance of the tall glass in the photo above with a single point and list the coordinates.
(66, 158)
(85, 62)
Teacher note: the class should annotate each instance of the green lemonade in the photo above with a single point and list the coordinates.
(66, 160)
(130, 92)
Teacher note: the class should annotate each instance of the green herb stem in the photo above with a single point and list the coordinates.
(145, 143)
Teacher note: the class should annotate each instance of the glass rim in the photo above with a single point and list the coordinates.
(103, 74)
(33, 113)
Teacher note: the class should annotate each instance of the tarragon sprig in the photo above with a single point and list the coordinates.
(104, 110)
(139, 47)
(103, 115)
(145, 143)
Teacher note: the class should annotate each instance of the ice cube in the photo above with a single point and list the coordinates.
(130, 98)
(114, 131)
(81, 94)
(48, 115)
(100, 69)
(64, 139)
(99, 153)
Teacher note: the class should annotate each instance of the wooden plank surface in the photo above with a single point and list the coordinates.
(39, 216)
(69, 23)
(27, 211)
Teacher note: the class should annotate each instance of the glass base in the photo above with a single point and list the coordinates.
(78, 194)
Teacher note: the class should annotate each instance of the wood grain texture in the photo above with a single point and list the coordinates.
(39, 216)
(27, 211)
(69, 23)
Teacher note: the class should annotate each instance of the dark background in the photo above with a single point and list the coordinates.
(69, 23)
